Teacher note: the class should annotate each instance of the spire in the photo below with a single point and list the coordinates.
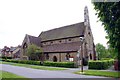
(86, 17)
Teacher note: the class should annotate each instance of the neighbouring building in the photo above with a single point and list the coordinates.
(0, 53)
(13, 52)
(64, 44)
(6, 52)
(16, 52)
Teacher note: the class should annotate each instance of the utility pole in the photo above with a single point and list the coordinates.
(82, 57)
(82, 42)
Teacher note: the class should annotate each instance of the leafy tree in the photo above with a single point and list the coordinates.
(101, 51)
(34, 52)
(111, 52)
(109, 14)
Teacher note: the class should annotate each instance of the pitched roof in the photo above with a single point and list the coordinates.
(65, 47)
(63, 32)
(34, 40)
(12, 48)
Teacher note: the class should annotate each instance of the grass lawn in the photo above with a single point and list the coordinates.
(10, 76)
(35, 66)
(100, 73)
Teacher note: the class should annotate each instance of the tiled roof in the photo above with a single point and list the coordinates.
(65, 47)
(34, 40)
(63, 32)
(0, 51)
(12, 48)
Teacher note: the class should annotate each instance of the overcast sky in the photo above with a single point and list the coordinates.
(20, 17)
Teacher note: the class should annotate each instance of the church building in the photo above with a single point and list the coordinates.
(64, 43)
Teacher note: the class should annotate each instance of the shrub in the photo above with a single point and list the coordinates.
(59, 64)
(3, 59)
(29, 62)
(46, 63)
(6, 57)
(15, 61)
(35, 62)
(105, 58)
(100, 64)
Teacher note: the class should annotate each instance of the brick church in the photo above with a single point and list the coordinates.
(64, 43)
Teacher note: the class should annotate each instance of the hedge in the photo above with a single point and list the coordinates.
(24, 61)
(100, 64)
(59, 64)
(6, 57)
(46, 63)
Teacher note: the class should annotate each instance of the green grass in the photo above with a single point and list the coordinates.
(100, 73)
(35, 66)
(10, 76)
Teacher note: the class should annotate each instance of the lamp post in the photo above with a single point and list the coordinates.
(82, 41)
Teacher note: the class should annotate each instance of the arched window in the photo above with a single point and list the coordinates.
(90, 56)
(67, 56)
(89, 33)
(69, 39)
(24, 46)
(60, 41)
(47, 56)
(54, 59)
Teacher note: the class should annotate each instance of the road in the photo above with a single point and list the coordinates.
(35, 73)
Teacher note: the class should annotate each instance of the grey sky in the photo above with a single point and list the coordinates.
(20, 17)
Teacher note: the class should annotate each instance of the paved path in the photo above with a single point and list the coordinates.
(35, 73)
(71, 70)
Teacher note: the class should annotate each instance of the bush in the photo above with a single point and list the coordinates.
(46, 63)
(100, 64)
(59, 64)
(24, 61)
(29, 62)
(6, 57)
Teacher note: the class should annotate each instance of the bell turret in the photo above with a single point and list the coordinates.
(86, 17)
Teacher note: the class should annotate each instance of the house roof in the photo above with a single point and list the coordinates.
(12, 48)
(64, 47)
(63, 32)
(34, 40)
(0, 51)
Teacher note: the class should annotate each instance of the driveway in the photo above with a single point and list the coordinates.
(35, 73)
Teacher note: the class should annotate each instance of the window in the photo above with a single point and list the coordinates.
(24, 46)
(47, 56)
(60, 41)
(69, 39)
(54, 59)
(67, 56)
(44, 42)
(90, 56)
(89, 33)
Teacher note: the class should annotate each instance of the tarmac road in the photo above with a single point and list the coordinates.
(35, 73)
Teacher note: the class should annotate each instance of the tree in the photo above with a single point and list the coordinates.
(109, 14)
(111, 52)
(101, 51)
(34, 52)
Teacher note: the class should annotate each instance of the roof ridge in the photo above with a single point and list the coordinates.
(31, 36)
(62, 27)
(72, 30)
